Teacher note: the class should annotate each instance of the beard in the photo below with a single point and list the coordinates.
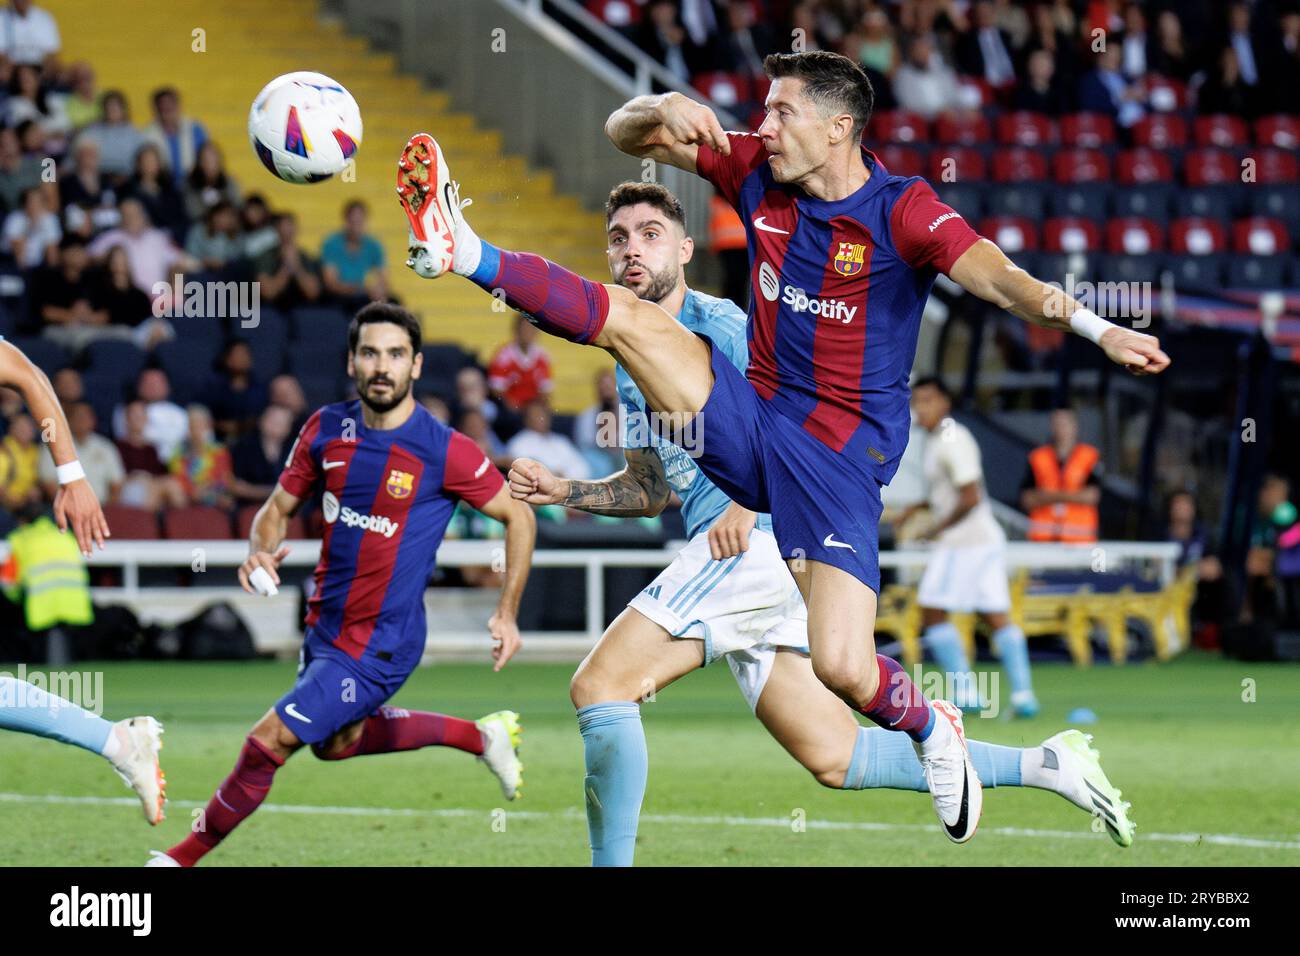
(660, 286)
(397, 394)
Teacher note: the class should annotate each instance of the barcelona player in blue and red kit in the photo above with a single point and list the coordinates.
(390, 475)
(842, 256)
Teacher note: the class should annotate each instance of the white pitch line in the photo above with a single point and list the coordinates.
(1189, 839)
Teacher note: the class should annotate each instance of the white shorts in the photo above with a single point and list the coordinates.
(966, 579)
(743, 608)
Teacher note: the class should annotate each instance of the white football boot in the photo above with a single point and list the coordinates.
(954, 786)
(432, 205)
(501, 735)
(159, 858)
(136, 762)
(1079, 778)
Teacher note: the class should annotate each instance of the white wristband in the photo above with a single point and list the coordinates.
(1090, 325)
(70, 472)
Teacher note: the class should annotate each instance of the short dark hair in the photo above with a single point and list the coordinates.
(352, 204)
(377, 312)
(652, 194)
(830, 80)
(935, 382)
(163, 92)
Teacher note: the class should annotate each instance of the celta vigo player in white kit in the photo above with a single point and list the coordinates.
(729, 595)
(967, 570)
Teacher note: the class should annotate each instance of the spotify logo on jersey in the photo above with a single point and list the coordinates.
(768, 283)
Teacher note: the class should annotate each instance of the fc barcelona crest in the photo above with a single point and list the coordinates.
(400, 483)
(848, 261)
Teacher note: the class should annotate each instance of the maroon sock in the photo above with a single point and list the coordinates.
(391, 729)
(899, 703)
(558, 301)
(239, 795)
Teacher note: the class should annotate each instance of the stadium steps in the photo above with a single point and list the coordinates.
(250, 41)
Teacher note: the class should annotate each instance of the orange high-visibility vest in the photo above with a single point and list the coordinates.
(1063, 522)
(726, 231)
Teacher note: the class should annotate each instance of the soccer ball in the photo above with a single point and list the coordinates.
(304, 127)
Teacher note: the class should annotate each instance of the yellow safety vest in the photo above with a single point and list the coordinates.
(52, 574)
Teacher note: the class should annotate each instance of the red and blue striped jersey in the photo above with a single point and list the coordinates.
(837, 294)
(386, 496)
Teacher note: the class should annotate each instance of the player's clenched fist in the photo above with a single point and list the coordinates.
(533, 482)
(265, 560)
(1136, 351)
(690, 122)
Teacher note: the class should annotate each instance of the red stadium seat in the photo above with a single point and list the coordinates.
(901, 160)
(1071, 234)
(1012, 233)
(616, 13)
(1159, 131)
(1260, 236)
(1087, 130)
(1219, 130)
(196, 522)
(1139, 166)
(897, 126)
(1197, 236)
(131, 524)
(1080, 166)
(1019, 165)
(1280, 131)
(1165, 95)
(1134, 236)
(957, 165)
(762, 84)
(244, 523)
(1276, 166)
(1022, 128)
(725, 89)
(962, 129)
(1211, 167)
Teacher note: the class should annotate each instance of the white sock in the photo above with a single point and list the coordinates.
(112, 746)
(469, 249)
(1035, 770)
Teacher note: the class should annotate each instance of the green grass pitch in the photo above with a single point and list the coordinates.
(1213, 778)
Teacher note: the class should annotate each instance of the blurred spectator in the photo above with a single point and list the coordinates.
(1061, 490)
(150, 252)
(1104, 89)
(65, 297)
(177, 137)
(1274, 513)
(216, 242)
(20, 455)
(1249, 62)
(727, 241)
(127, 306)
(1047, 34)
(147, 483)
(89, 203)
(81, 104)
(747, 41)
(208, 183)
(289, 277)
(1224, 91)
(117, 139)
(1041, 93)
(258, 227)
(352, 261)
(472, 395)
(520, 371)
(813, 25)
(437, 407)
(258, 458)
(595, 430)
(538, 442)
(286, 391)
(923, 83)
(18, 173)
(98, 455)
(983, 51)
(1169, 55)
(663, 38)
(1133, 54)
(873, 43)
(234, 394)
(167, 424)
(1190, 534)
(474, 425)
(68, 387)
(150, 184)
(28, 34)
(202, 464)
(32, 232)
(28, 102)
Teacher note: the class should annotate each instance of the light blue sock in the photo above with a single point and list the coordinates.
(1010, 643)
(31, 710)
(883, 759)
(950, 654)
(615, 751)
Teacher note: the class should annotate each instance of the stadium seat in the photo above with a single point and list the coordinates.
(1150, 201)
(1087, 130)
(445, 359)
(321, 389)
(268, 357)
(1160, 131)
(901, 160)
(196, 523)
(314, 322)
(1138, 166)
(1257, 272)
(1165, 95)
(187, 362)
(1012, 233)
(114, 358)
(1211, 202)
(1260, 236)
(1134, 236)
(1071, 234)
(46, 355)
(318, 358)
(1197, 236)
(966, 197)
(1277, 202)
(1198, 273)
(725, 89)
(1027, 199)
(104, 393)
(244, 523)
(897, 126)
(200, 327)
(271, 324)
(962, 129)
(957, 165)
(8, 322)
(1022, 128)
(1080, 166)
(131, 524)
(1089, 200)
(1056, 266)
(1129, 268)
(1274, 166)
(1211, 167)
(1281, 131)
(1220, 130)
(1019, 165)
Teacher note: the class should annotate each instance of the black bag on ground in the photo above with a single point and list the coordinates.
(217, 633)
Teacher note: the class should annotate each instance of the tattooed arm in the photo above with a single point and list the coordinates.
(640, 489)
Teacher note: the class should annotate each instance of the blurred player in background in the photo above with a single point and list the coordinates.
(728, 594)
(391, 476)
(131, 746)
(967, 570)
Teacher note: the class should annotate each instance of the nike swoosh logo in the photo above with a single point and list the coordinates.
(830, 542)
(760, 224)
(327, 465)
(958, 829)
(292, 711)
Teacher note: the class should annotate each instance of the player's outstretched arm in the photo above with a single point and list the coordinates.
(75, 504)
(639, 490)
(521, 535)
(668, 128)
(985, 271)
(270, 525)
